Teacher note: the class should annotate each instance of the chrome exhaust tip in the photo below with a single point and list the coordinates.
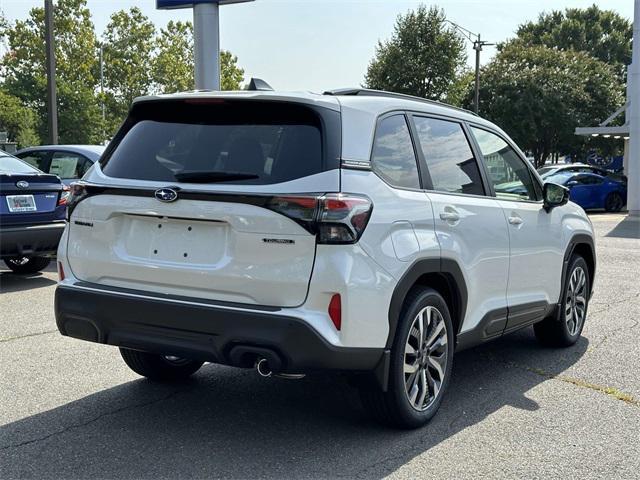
(263, 369)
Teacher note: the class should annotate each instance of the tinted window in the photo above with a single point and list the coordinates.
(68, 165)
(449, 157)
(35, 159)
(274, 143)
(587, 179)
(509, 174)
(13, 165)
(393, 155)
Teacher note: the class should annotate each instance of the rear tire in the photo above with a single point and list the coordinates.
(420, 366)
(160, 368)
(25, 265)
(566, 330)
(614, 202)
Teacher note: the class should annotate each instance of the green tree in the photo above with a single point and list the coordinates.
(539, 95)
(24, 72)
(173, 66)
(603, 34)
(128, 49)
(231, 76)
(17, 120)
(422, 58)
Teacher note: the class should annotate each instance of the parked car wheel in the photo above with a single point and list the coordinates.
(26, 265)
(421, 363)
(614, 202)
(565, 330)
(163, 368)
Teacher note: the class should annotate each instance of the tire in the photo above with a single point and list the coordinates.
(565, 329)
(396, 407)
(159, 367)
(614, 202)
(24, 265)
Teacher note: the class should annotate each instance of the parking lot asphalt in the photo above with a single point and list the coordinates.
(71, 409)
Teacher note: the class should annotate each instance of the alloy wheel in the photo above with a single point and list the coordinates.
(425, 358)
(576, 303)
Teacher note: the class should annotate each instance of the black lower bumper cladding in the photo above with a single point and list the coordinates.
(192, 329)
(30, 240)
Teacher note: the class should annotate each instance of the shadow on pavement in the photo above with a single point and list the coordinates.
(627, 228)
(12, 282)
(230, 423)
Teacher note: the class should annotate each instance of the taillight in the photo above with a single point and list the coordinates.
(336, 218)
(64, 195)
(343, 217)
(335, 311)
(77, 193)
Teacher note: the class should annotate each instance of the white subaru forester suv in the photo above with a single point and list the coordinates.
(354, 230)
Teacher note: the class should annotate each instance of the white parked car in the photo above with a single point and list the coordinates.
(355, 230)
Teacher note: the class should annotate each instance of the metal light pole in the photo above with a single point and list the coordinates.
(477, 46)
(206, 40)
(206, 37)
(633, 79)
(52, 102)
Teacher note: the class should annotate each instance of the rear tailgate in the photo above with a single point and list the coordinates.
(29, 199)
(219, 239)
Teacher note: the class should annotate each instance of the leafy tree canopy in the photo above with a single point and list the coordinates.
(603, 34)
(539, 95)
(17, 120)
(422, 58)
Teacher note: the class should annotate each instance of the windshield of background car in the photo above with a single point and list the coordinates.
(266, 142)
(10, 164)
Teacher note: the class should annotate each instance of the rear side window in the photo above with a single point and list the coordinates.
(448, 155)
(217, 141)
(68, 165)
(393, 156)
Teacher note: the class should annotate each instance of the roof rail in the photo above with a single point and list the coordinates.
(367, 92)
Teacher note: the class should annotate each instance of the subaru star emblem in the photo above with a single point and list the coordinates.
(22, 184)
(166, 195)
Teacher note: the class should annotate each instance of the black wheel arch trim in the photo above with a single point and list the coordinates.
(447, 266)
(578, 239)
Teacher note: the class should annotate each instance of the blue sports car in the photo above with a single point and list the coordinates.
(592, 191)
(32, 212)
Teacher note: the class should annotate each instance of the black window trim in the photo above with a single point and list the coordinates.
(472, 146)
(379, 120)
(532, 172)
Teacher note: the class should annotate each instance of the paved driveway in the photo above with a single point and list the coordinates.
(70, 409)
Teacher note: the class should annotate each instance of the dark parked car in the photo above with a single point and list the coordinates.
(592, 191)
(69, 162)
(32, 212)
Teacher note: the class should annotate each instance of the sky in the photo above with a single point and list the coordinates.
(318, 45)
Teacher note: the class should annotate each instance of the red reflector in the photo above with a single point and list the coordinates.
(335, 310)
(60, 272)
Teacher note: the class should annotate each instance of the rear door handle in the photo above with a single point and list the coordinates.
(515, 220)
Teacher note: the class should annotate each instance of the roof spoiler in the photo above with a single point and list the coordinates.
(257, 84)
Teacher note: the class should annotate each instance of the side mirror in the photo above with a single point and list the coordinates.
(554, 195)
(572, 183)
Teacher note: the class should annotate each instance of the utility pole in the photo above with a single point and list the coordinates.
(478, 43)
(102, 88)
(52, 101)
(633, 79)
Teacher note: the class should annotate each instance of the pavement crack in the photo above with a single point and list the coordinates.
(610, 391)
(92, 420)
(9, 339)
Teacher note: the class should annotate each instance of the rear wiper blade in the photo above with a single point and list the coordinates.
(207, 176)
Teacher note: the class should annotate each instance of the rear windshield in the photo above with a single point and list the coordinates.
(204, 141)
(13, 165)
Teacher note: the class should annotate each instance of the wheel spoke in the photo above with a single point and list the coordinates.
(435, 362)
(423, 389)
(436, 331)
(411, 368)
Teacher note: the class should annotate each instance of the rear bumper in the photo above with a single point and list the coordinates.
(29, 240)
(194, 329)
